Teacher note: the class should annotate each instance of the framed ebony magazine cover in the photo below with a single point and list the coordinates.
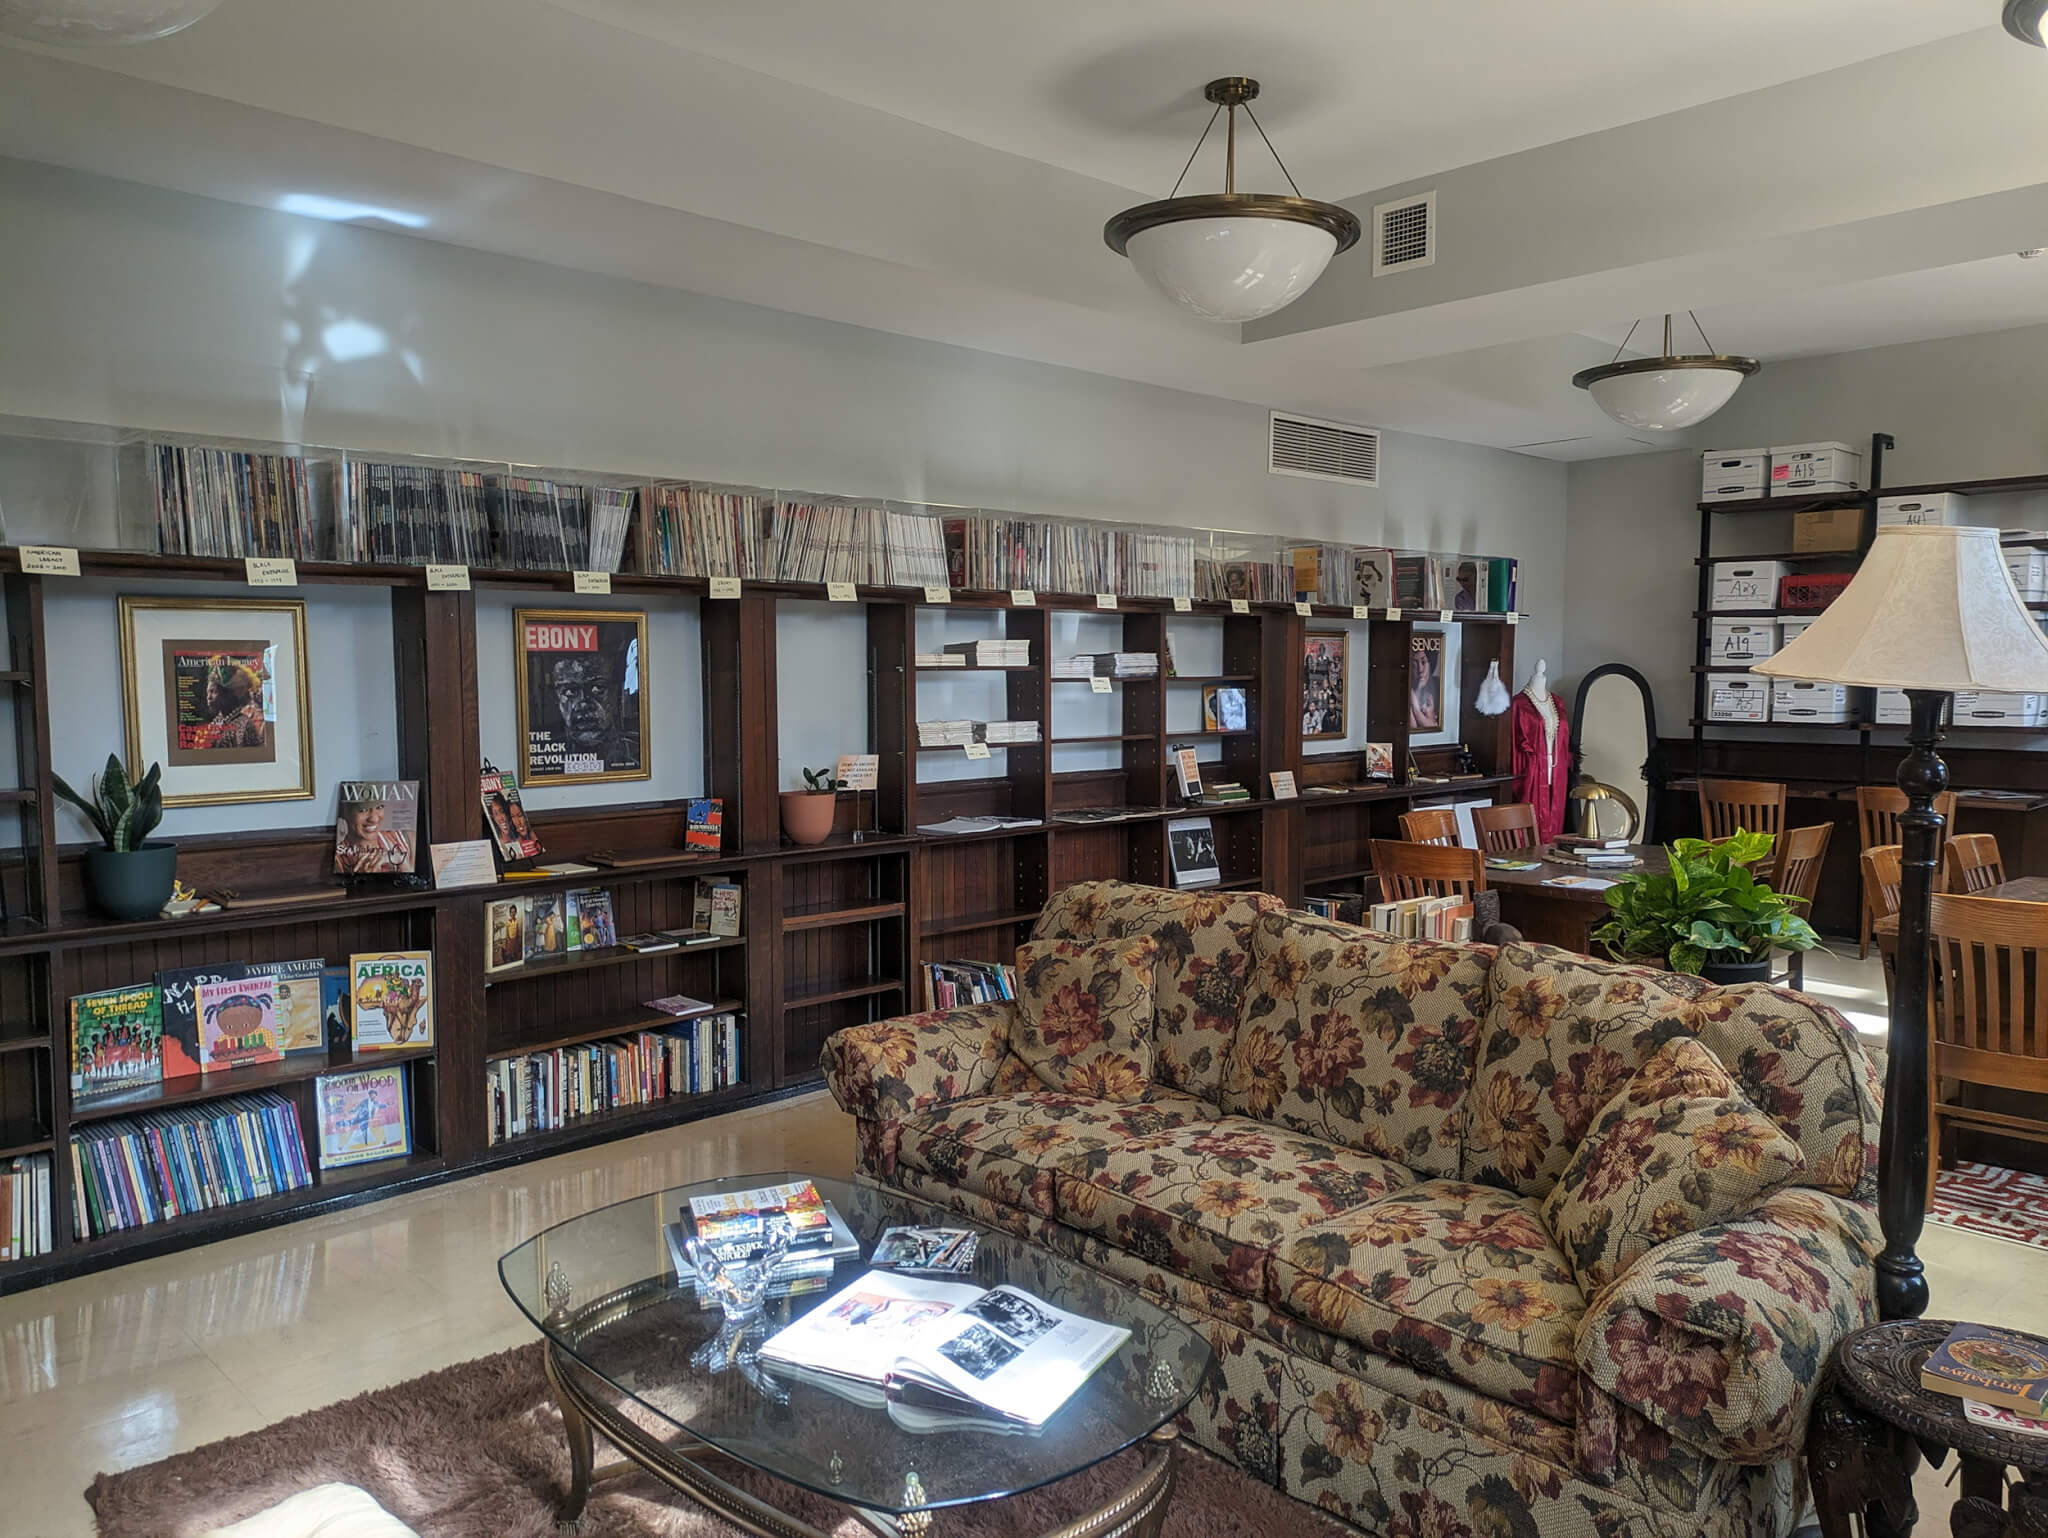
(582, 679)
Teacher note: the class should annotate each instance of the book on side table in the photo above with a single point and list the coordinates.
(2000, 1368)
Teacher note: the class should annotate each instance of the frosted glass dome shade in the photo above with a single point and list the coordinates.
(1664, 394)
(1235, 268)
(86, 23)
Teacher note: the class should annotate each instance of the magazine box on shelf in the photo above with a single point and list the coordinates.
(1827, 529)
(1935, 507)
(1803, 469)
(1746, 584)
(1988, 707)
(1741, 640)
(1739, 699)
(1732, 475)
(2029, 570)
(1806, 699)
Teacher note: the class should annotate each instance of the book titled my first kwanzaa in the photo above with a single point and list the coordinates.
(1997, 1367)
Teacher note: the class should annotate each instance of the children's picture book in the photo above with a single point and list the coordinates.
(180, 989)
(700, 906)
(547, 931)
(116, 1041)
(376, 831)
(706, 826)
(238, 1022)
(393, 1000)
(589, 919)
(511, 833)
(301, 1010)
(1379, 760)
(363, 1116)
(336, 1017)
(2000, 1368)
(725, 909)
(505, 922)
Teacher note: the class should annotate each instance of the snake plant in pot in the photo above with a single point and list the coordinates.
(131, 877)
(1710, 914)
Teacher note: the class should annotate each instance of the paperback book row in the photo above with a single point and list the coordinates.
(544, 1091)
(25, 1207)
(1423, 918)
(135, 1171)
(999, 551)
(550, 927)
(951, 984)
(710, 531)
(1402, 579)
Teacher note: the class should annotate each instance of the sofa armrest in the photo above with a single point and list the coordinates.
(1720, 1338)
(890, 1069)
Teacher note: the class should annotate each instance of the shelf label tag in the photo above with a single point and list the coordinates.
(271, 571)
(447, 579)
(49, 560)
(1512, 618)
(841, 592)
(1098, 684)
(938, 595)
(593, 582)
(977, 750)
(1105, 600)
(1361, 611)
(1283, 785)
(1023, 598)
(1393, 614)
(1183, 605)
(1305, 610)
(1240, 606)
(725, 587)
(1443, 616)
(858, 771)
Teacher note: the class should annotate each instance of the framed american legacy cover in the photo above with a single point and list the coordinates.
(216, 692)
(582, 695)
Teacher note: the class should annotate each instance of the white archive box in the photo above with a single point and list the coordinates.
(1732, 475)
(1790, 630)
(1935, 507)
(1807, 699)
(2029, 570)
(1800, 468)
(1739, 699)
(1991, 708)
(1746, 584)
(1741, 640)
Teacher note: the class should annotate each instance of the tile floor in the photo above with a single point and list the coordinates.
(127, 1366)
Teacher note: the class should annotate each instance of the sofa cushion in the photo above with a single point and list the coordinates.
(1678, 1150)
(1211, 1201)
(1457, 1281)
(1005, 1147)
(1084, 1015)
(1359, 1039)
(1199, 977)
(1564, 1033)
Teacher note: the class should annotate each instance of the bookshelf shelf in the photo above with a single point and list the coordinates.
(624, 1120)
(858, 989)
(19, 1150)
(610, 956)
(969, 923)
(326, 1186)
(623, 1024)
(834, 917)
(25, 1043)
(240, 1081)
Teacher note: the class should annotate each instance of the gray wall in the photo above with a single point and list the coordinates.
(129, 305)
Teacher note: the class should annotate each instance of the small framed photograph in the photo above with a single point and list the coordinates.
(582, 680)
(1379, 760)
(1324, 679)
(1191, 850)
(1426, 681)
(216, 692)
(1223, 708)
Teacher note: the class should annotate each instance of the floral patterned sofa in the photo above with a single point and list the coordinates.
(1344, 1169)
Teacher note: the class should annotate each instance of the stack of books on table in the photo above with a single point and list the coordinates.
(1424, 918)
(1593, 853)
(2001, 1376)
(1107, 665)
(738, 1225)
(944, 1355)
(999, 653)
(950, 984)
(1218, 792)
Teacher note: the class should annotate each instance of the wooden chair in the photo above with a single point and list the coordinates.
(1881, 901)
(1972, 863)
(1988, 1013)
(1409, 869)
(1733, 806)
(1505, 829)
(1801, 853)
(1430, 825)
(1877, 824)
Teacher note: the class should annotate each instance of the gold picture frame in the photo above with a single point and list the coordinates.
(588, 724)
(218, 714)
(1325, 685)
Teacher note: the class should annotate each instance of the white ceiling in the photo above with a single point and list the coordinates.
(943, 170)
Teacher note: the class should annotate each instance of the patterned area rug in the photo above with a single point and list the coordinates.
(1988, 1200)
(476, 1451)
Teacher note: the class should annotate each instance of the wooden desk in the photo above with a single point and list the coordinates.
(1563, 916)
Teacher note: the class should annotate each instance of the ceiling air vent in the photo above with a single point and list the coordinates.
(1404, 234)
(1324, 451)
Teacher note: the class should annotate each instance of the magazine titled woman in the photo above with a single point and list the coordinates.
(946, 1346)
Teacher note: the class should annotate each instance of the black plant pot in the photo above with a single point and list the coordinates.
(131, 885)
(1725, 972)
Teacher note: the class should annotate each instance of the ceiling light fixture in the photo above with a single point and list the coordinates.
(2023, 20)
(1666, 393)
(1230, 255)
(85, 23)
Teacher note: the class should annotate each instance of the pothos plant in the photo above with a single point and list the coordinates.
(1710, 907)
(123, 810)
(821, 781)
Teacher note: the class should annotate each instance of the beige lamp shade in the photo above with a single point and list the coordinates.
(1932, 607)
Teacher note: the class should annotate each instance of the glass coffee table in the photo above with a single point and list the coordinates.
(634, 1355)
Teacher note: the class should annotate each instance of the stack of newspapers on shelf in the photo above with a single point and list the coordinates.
(1107, 665)
(737, 1225)
(958, 734)
(1001, 652)
(944, 1356)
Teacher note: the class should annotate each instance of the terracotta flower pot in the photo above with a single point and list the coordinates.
(807, 815)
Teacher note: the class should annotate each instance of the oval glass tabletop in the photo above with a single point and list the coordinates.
(604, 1289)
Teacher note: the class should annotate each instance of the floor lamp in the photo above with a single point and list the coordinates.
(1932, 610)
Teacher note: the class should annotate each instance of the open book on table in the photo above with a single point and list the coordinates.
(941, 1352)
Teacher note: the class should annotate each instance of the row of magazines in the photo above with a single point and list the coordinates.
(938, 1355)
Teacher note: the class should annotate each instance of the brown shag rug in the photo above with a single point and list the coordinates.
(476, 1451)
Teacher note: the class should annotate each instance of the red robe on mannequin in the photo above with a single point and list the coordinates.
(1542, 770)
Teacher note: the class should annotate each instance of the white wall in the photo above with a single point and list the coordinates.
(130, 305)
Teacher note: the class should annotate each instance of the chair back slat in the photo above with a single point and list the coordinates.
(1972, 863)
(1408, 869)
(1430, 825)
(1878, 808)
(1801, 854)
(1505, 829)
(1728, 807)
(1881, 879)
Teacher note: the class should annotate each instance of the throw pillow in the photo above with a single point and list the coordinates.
(1679, 1148)
(1084, 1015)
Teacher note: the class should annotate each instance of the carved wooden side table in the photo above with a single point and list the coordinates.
(1874, 1420)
